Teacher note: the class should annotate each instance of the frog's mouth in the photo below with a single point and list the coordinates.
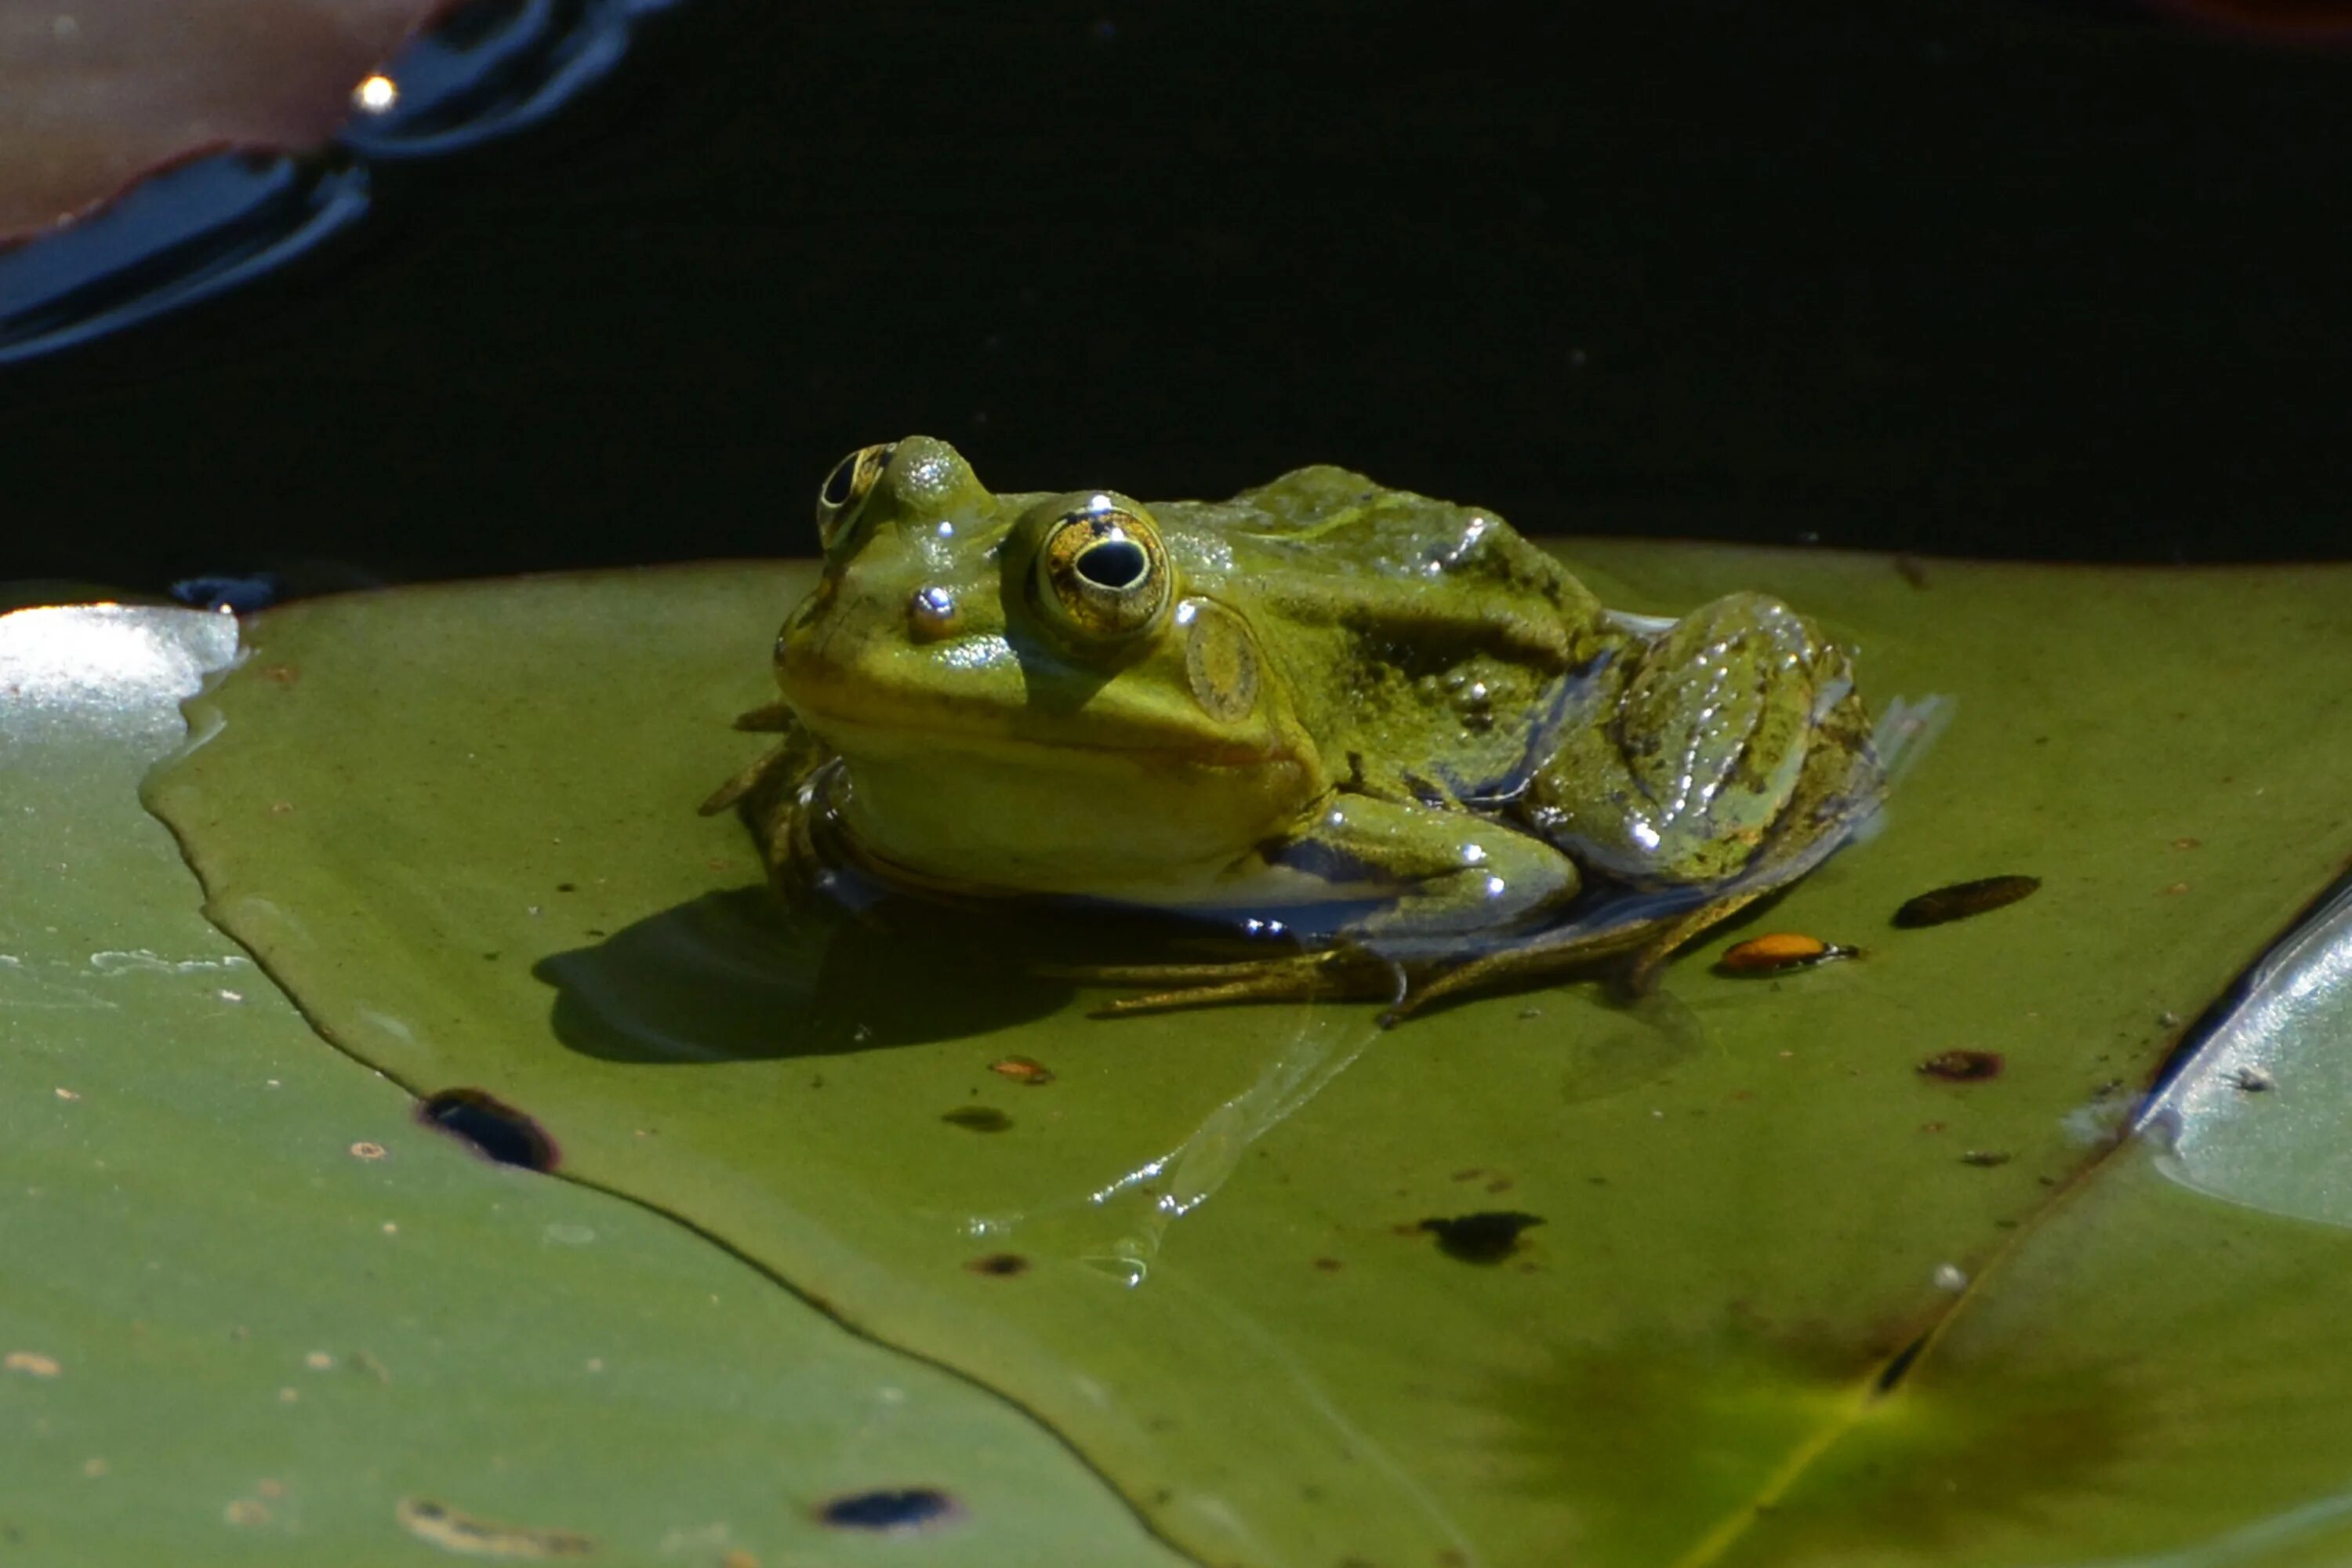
(946, 730)
(977, 697)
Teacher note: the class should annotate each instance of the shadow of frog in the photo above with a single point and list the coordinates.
(739, 975)
(735, 976)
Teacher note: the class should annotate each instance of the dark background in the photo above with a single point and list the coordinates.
(1986, 277)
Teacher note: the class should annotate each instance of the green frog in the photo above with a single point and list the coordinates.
(1383, 728)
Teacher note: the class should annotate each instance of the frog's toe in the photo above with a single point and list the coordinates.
(1543, 956)
(1249, 988)
(1331, 971)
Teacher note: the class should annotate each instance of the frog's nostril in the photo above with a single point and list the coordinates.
(1116, 563)
(931, 614)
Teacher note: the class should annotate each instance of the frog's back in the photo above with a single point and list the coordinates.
(1421, 641)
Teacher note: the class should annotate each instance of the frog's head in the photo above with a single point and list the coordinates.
(1022, 690)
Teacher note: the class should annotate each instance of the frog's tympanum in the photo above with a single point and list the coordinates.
(1385, 727)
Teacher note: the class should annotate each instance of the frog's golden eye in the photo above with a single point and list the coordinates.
(845, 489)
(1103, 573)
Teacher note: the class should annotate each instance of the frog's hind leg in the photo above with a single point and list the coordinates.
(1336, 972)
(1539, 957)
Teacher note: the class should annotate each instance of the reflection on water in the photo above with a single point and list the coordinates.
(489, 68)
(2256, 1115)
(176, 237)
(201, 227)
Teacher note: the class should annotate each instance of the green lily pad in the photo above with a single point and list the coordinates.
(253, 1312)
(1533, 1276)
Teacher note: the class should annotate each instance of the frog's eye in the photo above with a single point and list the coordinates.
(1103, 573)
(845, 489)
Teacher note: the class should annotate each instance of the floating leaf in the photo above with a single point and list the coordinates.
(458, 824)
(253, 1309)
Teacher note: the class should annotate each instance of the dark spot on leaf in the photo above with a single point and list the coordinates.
(1962, 1067)
(998, 1263)
(1328, 1265)
(567, 887)
(895, 1509)
(1487, 1237)
(1892, 1372)
(493, 1128)
(978, 1119)
(1964, 899)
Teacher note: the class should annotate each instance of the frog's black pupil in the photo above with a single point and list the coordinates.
(1113, 564)
(837, 483)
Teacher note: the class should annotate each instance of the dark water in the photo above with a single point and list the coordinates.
(1987, 277)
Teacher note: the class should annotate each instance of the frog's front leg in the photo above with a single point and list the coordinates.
(777, 795)
(1434, 880)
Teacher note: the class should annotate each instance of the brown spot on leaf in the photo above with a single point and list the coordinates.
(1001, 1263)
(1962, 899)
(1962, 1067)
(442, 1526)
